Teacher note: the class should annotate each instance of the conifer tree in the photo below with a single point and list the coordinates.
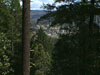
(10, 28)
(26, 37)
(16, 34)
(77, 51)
(41, 46)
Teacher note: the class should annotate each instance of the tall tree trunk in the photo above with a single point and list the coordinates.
(91, 17)
(26, 37)
(84, 1)
(92, 2)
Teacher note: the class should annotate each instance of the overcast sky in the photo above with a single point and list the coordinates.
(36, 4)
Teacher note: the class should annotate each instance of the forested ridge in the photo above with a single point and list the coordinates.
(24, 51)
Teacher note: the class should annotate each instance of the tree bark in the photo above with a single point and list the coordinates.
(92, 2)
(91, 17)
(26, 37)
(84, 1)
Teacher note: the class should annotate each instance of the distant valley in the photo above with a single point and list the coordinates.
(35, 15)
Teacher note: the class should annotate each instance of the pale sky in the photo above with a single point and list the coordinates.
(36, 4)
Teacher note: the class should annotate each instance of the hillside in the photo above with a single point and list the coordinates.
(35, 15)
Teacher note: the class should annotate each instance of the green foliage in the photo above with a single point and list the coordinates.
(5, 55)
(5, 17)
(76, 52)
(10, 36)
(41, 53)
(45, 40)
(42, 60)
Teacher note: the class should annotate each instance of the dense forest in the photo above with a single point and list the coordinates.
(24, 51)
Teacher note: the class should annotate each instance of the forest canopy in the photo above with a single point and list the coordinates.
(26, 51)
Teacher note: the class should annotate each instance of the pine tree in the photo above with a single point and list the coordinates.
(10, 27)
(42, 60)
(41, 46)
(15, 35)
(26, 37)
(77, 51)
(5, 55)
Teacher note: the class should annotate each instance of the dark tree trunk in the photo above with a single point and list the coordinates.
(91, 22)
(26, 37)
(92, 2)
(91, 17)
(84, 1)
